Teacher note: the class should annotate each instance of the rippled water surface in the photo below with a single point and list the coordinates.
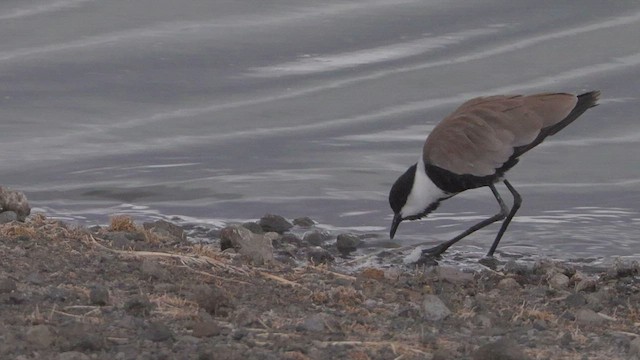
(218, 111)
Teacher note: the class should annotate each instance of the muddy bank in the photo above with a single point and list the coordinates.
(129, 291)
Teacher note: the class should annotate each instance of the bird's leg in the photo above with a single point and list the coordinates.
(517, 201)
(437, 250)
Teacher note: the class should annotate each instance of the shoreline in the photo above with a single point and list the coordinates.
(131, 291)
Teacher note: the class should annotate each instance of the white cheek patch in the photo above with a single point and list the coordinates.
(423, 193)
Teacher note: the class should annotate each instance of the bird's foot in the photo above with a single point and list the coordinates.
(435, 251)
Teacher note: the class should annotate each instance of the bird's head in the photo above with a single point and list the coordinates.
(413, 196)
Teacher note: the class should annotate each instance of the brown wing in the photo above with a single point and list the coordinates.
(480, 136)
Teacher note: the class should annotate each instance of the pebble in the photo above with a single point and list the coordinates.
(503, 349)
(433, 309)
(347, 243)
(318, 255)
(303, 222)
(559, 281)
(151, 269)
(40, 336)
(275, 223)
(634, 347)
(576, 300)
(7, 217)
(7, 285)
(166, 230)
(452, 275)
(72, 355)
(254, 227)
(508, 284)
(589, 317)
(316, 237)
(205, 328)
(158, 332)
(212, 299)
(35, 278)
(587, 285)
(313, 323)
(99, 295)
(258, 248)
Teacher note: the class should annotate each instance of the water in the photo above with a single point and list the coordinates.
(222, 111)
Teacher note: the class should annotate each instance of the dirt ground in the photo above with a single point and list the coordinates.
(126, 292)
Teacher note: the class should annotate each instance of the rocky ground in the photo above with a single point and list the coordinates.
(267, 290)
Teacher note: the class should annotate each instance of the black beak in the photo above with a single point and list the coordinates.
(397, 219)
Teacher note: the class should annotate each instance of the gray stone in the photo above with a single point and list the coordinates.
(99, 295)
(347, 242)
(212, 299)
(7, 285)
(73, 355)
(316, 237)
(589, 317)
(205, 328)
(513, 267)
(40, 336)
(634, 347)
(8, 216)
(587, 285)
(318, 255)
(314, 323)
(503, 349)
(433, 309)
(151, 269)
(254, 227)
(35, 278)
(275, 223)
(559, 281)
(452, 275)
(258, 248)
(16, 201)
(576, 300)
(303, 222)
(167, 230)
(158, 332)
(508, 284)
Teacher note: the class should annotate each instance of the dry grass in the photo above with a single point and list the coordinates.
(123, 223)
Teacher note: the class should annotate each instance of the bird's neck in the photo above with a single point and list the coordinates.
(424, 192)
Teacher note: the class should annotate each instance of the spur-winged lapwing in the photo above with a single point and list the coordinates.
(474, 147)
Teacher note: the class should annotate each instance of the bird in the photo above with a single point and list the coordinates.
(474, 147)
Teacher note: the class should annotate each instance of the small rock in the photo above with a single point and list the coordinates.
(623, 268)
(166, 230)
(503, 349)
(256, 247)
(576, 300)
(508, 284)
(347, 243)
(151, 269)
(7, 285)
(254, 227)
(275, 223)
(452, 275)
(316, 237)
(559, 281)
(289, 238)
(303, 222)
(205, 328)
(589, 317)
(15, 201)
(212, 299)
(35, 278)
(7, 217)
(318, 255)
(40, 336)
(313, 323)
(73, 355)
(433, 309)
(587, 285)
(139, 305)
(490, 262)
(513, 267)
(634, 347)
(99, 295)
(158, 332)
